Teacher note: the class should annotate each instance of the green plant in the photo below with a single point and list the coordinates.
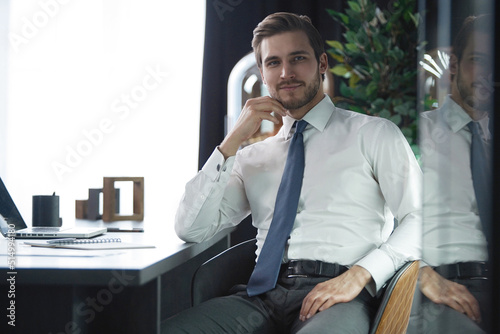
(378, 61)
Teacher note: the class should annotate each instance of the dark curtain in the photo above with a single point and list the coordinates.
(228, 36)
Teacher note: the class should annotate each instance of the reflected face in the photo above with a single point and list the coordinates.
(291, 72)
(474, 90)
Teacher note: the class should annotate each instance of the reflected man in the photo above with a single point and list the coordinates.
(456, 216)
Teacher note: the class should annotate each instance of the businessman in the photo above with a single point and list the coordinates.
(323, 194)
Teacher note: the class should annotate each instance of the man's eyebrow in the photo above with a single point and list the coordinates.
(478, 53)
(270, 58)
(294, 53)
(299, 52)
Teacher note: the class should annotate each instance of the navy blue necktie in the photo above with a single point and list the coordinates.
(265, 273)
(480, 164)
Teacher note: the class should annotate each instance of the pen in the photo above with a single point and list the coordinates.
(117, 229)
(58, 241)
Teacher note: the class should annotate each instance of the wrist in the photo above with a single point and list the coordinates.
(362, 274)
(229, 146)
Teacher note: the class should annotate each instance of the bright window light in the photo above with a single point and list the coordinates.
(103, 88)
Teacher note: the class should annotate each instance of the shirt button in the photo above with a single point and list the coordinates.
(218, 167)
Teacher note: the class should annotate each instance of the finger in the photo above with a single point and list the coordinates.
(311, 305)
(272, 108)
(269, 104)
(471, 307)
(306, 306)
(268, 116)
(314, 308)
(464, 302)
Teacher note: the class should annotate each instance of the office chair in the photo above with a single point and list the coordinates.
(234, 266)
(218, 275)
(393, 313)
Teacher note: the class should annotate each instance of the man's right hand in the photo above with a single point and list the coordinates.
(443, 291)
(254, 112)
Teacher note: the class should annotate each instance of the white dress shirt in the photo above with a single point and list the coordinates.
(359, 173)
(452, 228)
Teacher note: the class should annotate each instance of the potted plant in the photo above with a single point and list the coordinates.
(378, 62)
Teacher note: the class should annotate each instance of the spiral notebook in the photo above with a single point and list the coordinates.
(92, 244)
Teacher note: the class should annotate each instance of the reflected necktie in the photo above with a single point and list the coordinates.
(265, 273)
(480, 164)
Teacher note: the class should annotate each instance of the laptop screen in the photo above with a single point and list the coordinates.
(8, 211)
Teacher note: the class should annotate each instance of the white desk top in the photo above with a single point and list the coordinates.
(36, 265)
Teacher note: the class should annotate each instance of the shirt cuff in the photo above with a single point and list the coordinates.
(216, 165)
(380, 266)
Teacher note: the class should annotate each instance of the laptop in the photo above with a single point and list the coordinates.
(11, 220)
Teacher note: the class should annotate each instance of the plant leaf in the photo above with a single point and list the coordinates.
(354, 6)
(340, 70)
(336, 45)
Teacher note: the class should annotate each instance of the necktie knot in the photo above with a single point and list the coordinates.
(300, 126)
(478, 133)
(473, 127)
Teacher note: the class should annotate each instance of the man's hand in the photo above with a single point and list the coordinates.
(341, 289)
(254, 112)
(443, 291)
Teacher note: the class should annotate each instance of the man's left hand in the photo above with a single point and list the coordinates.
(341, 289)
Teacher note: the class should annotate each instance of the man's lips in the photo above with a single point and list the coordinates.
(290, 86)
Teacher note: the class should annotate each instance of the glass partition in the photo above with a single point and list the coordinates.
(455, 130)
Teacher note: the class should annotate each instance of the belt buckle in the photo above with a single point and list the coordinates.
(291, 268)
(481, 265)
(484, 271)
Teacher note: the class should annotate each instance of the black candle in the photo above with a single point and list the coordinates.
(46, 210)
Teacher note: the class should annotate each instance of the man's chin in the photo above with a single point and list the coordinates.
(292, 104)
(481, 106)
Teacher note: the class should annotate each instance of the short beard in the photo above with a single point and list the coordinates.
(310, 93)
(471, 97)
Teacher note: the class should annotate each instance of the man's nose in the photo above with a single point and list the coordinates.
(287, 71)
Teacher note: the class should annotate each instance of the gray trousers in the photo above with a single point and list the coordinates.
(430, 318)
(276, 311)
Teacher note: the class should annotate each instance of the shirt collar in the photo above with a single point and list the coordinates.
(457, 118)
(454, 115)
(318, 116)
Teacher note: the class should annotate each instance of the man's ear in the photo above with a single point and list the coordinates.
(323, 63)
(453, 67)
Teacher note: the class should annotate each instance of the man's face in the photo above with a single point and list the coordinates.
(473, 74)
(291, 72)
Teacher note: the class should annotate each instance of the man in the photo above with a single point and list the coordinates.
(456, 222)
(358, 169)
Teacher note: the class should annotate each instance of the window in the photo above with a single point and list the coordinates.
(102, 88)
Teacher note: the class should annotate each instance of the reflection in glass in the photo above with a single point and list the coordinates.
(455, 138)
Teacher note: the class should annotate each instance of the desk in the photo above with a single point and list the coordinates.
(114, 291)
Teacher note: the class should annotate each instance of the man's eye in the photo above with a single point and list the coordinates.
(272, 63)
(479, 60)
(299, 58)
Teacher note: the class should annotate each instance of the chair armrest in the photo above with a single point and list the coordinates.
(216, 276)
(393, 314)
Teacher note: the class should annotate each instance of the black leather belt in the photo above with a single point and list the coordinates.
(464, 270)
(309, 268)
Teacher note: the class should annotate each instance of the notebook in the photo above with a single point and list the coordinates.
(92, 244)
(12, 223)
